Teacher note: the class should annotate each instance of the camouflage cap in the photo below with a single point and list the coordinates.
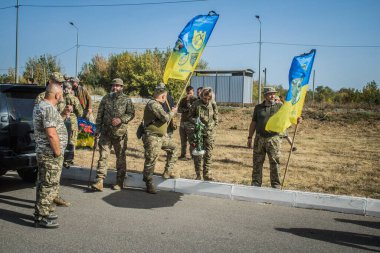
(67, 85)
(269, 90)
(118, 81)
(160, 87)
(57, 77)
(74, 79)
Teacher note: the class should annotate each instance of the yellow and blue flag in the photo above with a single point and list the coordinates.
(189, 47)
(290, 111)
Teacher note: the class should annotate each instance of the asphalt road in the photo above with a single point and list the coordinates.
(134, 221)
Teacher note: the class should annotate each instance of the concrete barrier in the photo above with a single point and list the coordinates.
(336, 203)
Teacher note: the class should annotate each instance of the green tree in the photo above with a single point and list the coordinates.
(141, 72)
(324, 94)
(9, 77)
(371, 94)
(41, 67)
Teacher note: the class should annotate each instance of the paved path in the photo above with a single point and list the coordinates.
(134, 221)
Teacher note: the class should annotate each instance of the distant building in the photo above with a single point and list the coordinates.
(230, 86)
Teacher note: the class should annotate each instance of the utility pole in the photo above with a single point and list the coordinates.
(265, 76)
(16, 61)
(76, 56)
(258, 18)
(313, 83)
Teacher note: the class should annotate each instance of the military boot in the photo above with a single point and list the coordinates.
(166, 175)
(206, 177)
(61, 202)
(119, 184)
(198, 176)
(150, 188)
(98, 186)
(44, 222)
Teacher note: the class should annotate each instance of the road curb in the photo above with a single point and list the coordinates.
(309, 200)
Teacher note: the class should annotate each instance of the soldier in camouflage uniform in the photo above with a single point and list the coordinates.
(71, 122)
(155, 138)
(63, 110)
(84, 98)
(207, 111)
(265, 142)
(184, 108)
(51, 140)
(114, 113)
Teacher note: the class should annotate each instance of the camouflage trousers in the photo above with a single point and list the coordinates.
(152, 145)
(184, 134)
(72, 131)
(208, 146)
(47, 185)
(119, 143)
(263, 146)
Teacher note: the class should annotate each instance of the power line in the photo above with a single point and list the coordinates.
(63, 52)
(7, 7)
(109, 5)
(320, 45)
(124, 48)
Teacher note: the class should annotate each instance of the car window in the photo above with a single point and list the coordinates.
(20, 105)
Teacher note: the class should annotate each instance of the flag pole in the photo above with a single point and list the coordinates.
(290, 154)
(184, 89)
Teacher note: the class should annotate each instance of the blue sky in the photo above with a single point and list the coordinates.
(327, 24)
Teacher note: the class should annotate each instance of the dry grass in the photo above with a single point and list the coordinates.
(337, 152)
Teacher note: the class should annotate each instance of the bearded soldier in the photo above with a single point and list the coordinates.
(114, 113)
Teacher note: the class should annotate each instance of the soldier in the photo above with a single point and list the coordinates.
(199, 90)
(84, 98)
(265, 142)
(168, 104)
(51, 140)
(183, 108)
(207, 111)
(114, 113)
(56, 77)
(155, 138)
(71, 121)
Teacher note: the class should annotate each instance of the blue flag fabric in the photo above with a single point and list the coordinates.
(299, 75)
(86, 126)
(189, 47)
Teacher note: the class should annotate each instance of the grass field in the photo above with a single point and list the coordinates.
(337, 152)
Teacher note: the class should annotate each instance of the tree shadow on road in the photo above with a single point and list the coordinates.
(139, 199)
(13, 201)
(16, 217)
(353, 240)
(370, 224)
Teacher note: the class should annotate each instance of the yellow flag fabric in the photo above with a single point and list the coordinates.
(189, 47)
(291, 110)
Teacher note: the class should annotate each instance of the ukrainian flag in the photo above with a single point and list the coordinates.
(291, 110)
(189, 47)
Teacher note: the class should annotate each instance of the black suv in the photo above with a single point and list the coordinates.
(17, 145)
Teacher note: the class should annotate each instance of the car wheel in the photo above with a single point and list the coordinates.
(28, 174)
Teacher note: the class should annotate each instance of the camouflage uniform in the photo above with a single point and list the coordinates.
(185, 126)
(209, 116)
(113, 105)
(265, 143)
(84, 99)
(49, 167)
(72, 122)
(156, 138)
(60, 106)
